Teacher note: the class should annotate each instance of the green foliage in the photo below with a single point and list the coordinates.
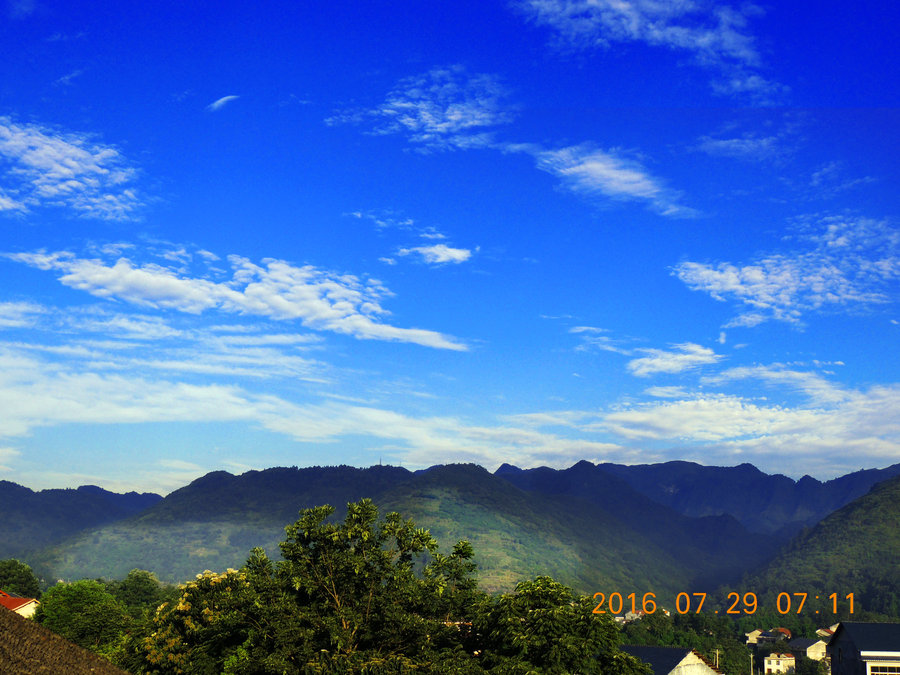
(855, 549)
(140, 592)
(85, 613)
(544, 627)
(713, 636)
(17, 577)
(372, 595)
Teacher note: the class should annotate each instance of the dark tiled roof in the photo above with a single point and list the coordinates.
(802, 643)
(661, 659)
(871, 637)
(28, 647)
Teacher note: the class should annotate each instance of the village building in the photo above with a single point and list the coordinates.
(21, 606)
(779, 663)
(671, 660)
(858, 648)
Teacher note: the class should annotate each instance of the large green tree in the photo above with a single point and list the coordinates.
(17, 577)
(85, 613)
(544, 627)
(372, 595)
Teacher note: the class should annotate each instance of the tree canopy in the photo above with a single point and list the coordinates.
(17, 577)
(372, 595)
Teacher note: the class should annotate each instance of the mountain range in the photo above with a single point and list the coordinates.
(664, 528)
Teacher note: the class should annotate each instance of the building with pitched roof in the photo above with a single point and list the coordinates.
(21, 606)
(859, 648)
(671, 660)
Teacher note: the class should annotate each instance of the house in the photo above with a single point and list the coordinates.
(858, 648)
(753, 636)
(21, 606)
(826, 633)
(812, 649)
(671, 660)
(779, 663)
(28, 647)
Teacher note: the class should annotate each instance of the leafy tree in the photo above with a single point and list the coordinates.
(544, 627)
(85, 613)
(17, 577)
(371, 595)
(140, 592)
(347, 597)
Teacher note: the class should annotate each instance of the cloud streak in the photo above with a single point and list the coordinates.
(717, 36)
(218, 104)
(448, 109)
(438, 254)
(687, 356)
(276, 289)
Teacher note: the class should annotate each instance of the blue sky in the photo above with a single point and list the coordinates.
(536, 231)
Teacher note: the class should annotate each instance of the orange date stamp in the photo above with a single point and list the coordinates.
(736, 603)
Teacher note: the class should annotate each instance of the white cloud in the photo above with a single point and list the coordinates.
(443, 108)
(438, 254)
(276, 289)
(66, 80)
(686, 356)
(448, 109)
(19, 314)
(42, 167)
(591, 171)
(850, 267)
(748, 146)
(36, 394)
(7, 454)
(717, 36)
(218, 104)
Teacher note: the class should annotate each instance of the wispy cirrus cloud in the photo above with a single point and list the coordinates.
(438, 110)
(753, 147)
(35, 393)
(717, 36)
(683, 357)
(608, 173)
(850, 265)
(831, 429)
(449, 109)
(19, 314)
(220, 103)
(43, 167)
(276, 289)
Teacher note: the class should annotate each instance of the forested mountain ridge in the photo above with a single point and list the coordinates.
(30, 520)
(586, 525)
(761, 502)
(855, 550)
(717, 547)
(214, 521)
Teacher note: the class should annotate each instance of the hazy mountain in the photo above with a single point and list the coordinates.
(590, 526)
(718, 548)
(761, 502)
(30, 520)
(855, 549)
(623, 542)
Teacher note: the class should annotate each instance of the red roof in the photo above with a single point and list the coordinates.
(13, 602)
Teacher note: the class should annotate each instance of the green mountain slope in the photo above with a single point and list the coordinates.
(30, 520)
(717, 549)
(517, 535)
(854, 550)
(212, 524)
(761, 502)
